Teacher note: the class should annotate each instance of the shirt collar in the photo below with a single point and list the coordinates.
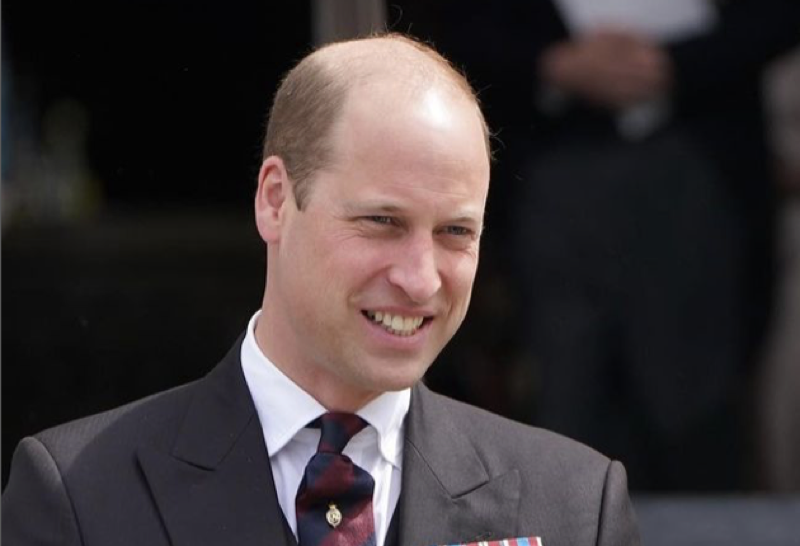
(284, 408)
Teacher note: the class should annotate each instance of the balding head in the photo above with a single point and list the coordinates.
(312, 96)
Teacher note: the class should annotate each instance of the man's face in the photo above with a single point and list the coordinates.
(374, 276)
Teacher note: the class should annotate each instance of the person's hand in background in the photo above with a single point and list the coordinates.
(611, 68)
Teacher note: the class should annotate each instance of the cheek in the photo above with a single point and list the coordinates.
(310, 269)
(363, 257)
(345, 270)
(459, 272)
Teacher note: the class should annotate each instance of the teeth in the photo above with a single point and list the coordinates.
(396, 324)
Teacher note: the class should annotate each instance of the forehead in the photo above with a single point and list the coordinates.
(411, 126)
(395, 150)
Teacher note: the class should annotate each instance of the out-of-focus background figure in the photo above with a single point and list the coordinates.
(640, 207)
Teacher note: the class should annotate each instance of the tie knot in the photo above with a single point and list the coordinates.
(337, 430)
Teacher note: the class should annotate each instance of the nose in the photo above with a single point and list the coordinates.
(415, 270)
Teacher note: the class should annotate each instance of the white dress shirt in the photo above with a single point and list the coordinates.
(658, 19)
(285, 409)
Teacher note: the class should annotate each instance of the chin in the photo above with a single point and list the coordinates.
(403, 379)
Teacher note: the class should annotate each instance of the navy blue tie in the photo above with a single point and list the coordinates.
(334, 500)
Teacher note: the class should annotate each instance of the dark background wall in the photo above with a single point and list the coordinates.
(175, 92)
(131, 140)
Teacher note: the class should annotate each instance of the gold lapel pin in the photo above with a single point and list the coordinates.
(333, 515)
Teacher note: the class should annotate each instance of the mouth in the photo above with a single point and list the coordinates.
(398, 325)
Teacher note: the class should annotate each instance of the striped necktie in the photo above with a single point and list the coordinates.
(334, 500)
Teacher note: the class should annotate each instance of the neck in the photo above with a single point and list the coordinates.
(314, 379)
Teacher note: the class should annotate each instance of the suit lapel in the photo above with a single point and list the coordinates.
(215, 486)
(448, 497)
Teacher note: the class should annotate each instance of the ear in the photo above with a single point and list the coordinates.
(274, 194)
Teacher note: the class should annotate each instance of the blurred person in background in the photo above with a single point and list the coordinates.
(640, 214)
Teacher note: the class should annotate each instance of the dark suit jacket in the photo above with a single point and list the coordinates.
(189, 467)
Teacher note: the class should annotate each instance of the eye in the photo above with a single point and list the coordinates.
(458, 231)
(385, 220)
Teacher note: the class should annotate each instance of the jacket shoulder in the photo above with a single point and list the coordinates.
(566, 491)
(152, 419)
(539, 454)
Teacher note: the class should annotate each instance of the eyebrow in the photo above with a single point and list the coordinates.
(378, 206)
(372, 206)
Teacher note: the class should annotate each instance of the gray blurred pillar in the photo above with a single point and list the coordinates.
(779, 397)
(342, 19)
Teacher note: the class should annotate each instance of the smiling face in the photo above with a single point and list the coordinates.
(373, 277)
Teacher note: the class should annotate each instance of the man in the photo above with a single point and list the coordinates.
(371, 199)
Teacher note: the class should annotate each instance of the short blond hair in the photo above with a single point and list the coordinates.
(312, 95)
